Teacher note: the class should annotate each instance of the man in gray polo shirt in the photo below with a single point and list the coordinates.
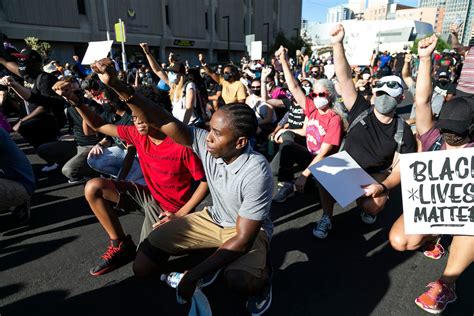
(240, 180)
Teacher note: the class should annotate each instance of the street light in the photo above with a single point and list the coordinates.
(228, 35)
(268, 36)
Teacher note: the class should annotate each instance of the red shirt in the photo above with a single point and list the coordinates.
(321, 128)
(168, 168)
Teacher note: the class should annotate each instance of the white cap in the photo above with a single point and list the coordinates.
(393, 92)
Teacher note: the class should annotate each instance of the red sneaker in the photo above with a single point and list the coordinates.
(118, 254)
(439, 295)
(434, 250)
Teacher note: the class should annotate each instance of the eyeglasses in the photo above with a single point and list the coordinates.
(390, 84)
(320, 94)
(255, 87)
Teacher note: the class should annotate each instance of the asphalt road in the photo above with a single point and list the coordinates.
(44, 266)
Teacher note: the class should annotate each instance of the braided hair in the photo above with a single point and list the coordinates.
(243, 119)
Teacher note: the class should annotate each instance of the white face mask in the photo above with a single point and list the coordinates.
(366, 76)
(320, 103)
(172, 77)
(307, 90)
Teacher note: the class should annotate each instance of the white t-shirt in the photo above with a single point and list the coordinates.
(260, 108)
(179, 106)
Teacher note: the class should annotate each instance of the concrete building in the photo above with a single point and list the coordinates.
(339, 13)
(357, 6)
(433, 15)
(383, 11)
(431, 3)
(372, 3)
(183, 26)
(460, 12)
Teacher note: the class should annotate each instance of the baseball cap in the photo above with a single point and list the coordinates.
(443, 72)
(392, 85)
(28, 55)
(456, 115)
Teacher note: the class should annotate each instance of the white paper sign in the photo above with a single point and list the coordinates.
(358, 44)
(438, 192)
(248, 41)
(96, 51)
(342, 177)
(256, 50)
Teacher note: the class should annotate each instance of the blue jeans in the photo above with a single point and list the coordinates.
(110, 162)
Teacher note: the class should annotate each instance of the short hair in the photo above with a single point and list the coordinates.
(243, 118)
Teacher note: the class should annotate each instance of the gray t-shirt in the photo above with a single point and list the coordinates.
(242, 188)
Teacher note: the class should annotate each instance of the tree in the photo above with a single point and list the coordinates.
(440, 46)
(43, 48)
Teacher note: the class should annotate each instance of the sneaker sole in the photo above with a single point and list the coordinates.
(111, 268)
(432, 311)
(315, 234)
(268, 304)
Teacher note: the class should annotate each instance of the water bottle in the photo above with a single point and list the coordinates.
(172, 279)
(271, 147)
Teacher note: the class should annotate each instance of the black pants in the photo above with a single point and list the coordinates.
(39, 130)
(292, 157)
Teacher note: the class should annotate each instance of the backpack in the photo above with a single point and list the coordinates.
(398, 137)
(437, 144)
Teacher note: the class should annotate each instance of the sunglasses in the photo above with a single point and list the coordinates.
(390, 84)
(255, 87)
(320, 94)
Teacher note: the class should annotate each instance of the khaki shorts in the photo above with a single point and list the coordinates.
(198, 231)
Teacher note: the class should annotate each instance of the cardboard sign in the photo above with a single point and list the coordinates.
(342, 177)
(96, 51)
(438, 192)
(256, 50)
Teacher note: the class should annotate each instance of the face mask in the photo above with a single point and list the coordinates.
(365, 76)
(257, 92)
(385, 104)
(320, 103)
(172, 77)
(227, 76)
(26, 70)
(453, 139)
(307, 90)
(443, 82)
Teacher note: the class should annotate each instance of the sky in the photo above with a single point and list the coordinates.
(316, 10)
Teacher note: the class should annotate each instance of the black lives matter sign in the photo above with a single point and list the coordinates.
(438, 192)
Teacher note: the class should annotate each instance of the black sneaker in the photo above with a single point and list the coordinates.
(119, 253)
(22, 212)
(257, 305)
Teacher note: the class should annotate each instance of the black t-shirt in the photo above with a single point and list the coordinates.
(79, 137)
(444, 90)
(373, 146)
(295, 115)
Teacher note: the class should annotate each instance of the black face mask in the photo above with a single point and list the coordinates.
(227, 76)
(257, 92)
(443, 82)
(453, 139)
(27, 70)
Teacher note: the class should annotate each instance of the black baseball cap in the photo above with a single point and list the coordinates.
(456, 115)
(28, 55)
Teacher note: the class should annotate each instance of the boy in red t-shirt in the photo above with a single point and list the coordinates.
(169, 170)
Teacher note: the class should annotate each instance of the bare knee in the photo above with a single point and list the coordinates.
(398, 241)
(372, 206)
(95, 188)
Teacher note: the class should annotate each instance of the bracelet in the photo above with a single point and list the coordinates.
(132, 95)
(385, 189)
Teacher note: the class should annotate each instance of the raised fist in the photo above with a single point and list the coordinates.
(337, 34)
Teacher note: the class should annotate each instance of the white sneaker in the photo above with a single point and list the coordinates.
(322, 228)
(367, 218)
(49, 168)
(287, 190)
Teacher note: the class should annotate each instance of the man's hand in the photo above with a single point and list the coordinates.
(427, 45)
(337, 34)
(201, 58)
(454, 29)
(6, 81)
(96, 151)
(266, 72)
(186, 287)
(300, 183)
(145, 47)
(165, 217)
(408, 58)
(373, 190)
(16, 127)
(105, 68)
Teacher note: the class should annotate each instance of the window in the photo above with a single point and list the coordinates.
(215, 21)
(205, 21)
(167, 17)
(81, 7)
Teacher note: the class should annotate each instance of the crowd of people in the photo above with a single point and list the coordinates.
(159, 138)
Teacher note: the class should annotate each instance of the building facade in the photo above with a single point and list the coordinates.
(184, 27)
(432, 15)
(357, 6)
(460, 12)
(339, 13)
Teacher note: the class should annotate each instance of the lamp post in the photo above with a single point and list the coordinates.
(106, 13)
(268, 37)
(228, 35)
